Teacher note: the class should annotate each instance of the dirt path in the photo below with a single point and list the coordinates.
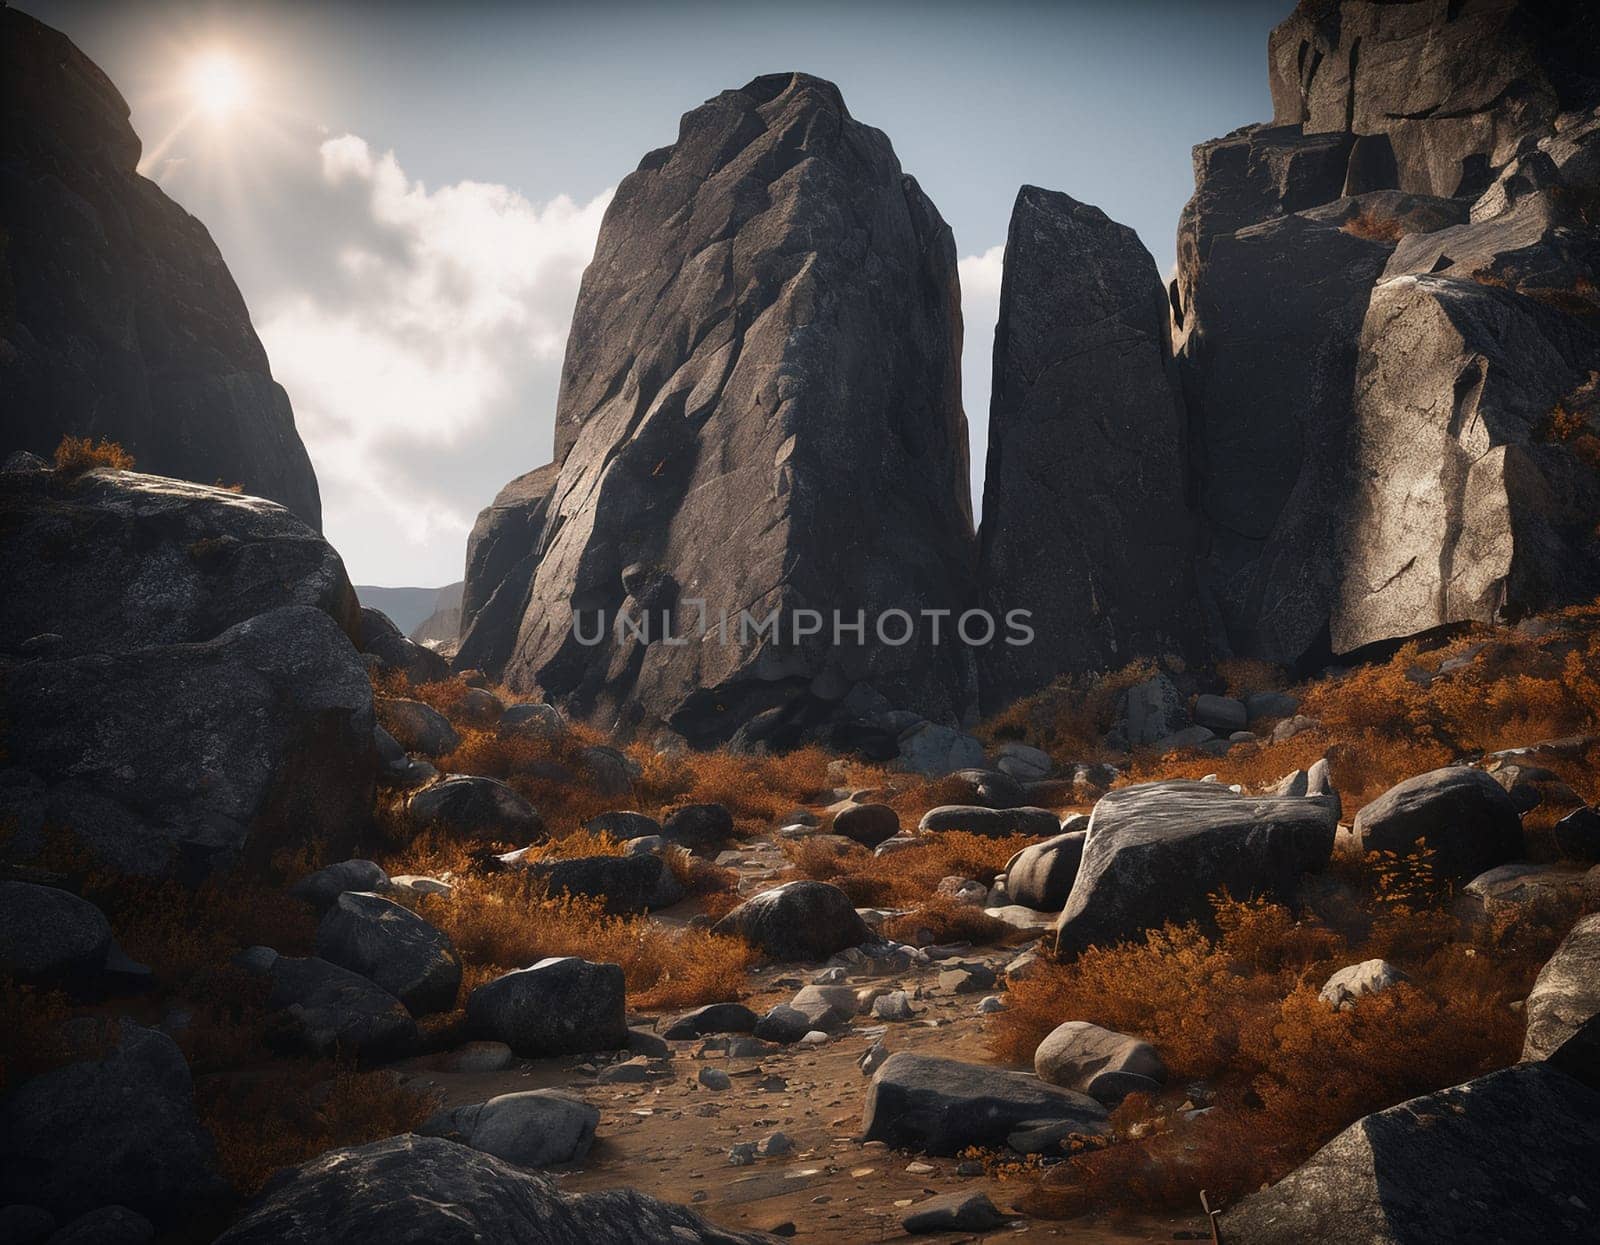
(671, 1136)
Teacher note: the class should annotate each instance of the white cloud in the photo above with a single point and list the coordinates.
(980, 308)
(421, 350)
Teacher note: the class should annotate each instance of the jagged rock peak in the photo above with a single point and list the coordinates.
(122, 320)
(760, 409)
(1085, 523)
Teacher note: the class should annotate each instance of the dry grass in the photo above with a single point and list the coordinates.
(1379, 726)
(1070, 717)
(1239, 1009)
(506, 921)
(76, 455)
(1374, 226)
(274, 1117)
(906, 877)
(941, 921)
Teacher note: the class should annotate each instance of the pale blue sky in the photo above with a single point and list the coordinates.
(413, 424)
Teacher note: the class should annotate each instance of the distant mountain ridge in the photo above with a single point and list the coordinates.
(410, 608)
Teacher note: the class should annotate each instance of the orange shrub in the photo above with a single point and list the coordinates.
(941, 920)
(75, 455)
(908, 876)
(1374, 227)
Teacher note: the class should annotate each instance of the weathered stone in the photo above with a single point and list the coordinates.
(994, 822)
(1041, 876)
(969, 1211)
(1157, 852)
(1350, 985)
(382, 640)
(50, 937)
(108, 1225)
(1567, 991)
(538, 721)
(475, 807)
(867, 824)
(626, 884)
(502, 551)
(697, 825)
(711, 1018)
(559, 1006)
(534, 1128)
(1453, 93)
(1504, 1157)
(1105, 1065)
(119, 1128)
(933, 750)
(322, 888)
(431, 1189)
(828, 1008)
(392, 947)
(1153, 710)
(1510, 886)
(623, 825)
(121, 319)
(114, 561)
(1577, 835)
(1465, 819)
(1084, 492)
(1467, 506)
(418, 727)
(205, 754)
(329, 1011)
(1221, 713)
(700, 307)
(941, 1106)
(797, 921)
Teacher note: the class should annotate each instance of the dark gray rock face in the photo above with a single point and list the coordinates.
(1453, 89)
(324, 1010)
(121, 319)
(476, 807)
(113, 560)
(394, 651)
(418, 727)
(559, 1006)
(867, 824)
(627, 884)
(117, 1129)
(392, 947)
(1041, 877)
(502, 552)
(711, 1018)
(1157, 851)
(322, 888)
(994, 822)
(1269, 364)
(1465, 817)
(941, 1106)
(1085, 522)
(797, 921)
(1367, 472)
(429, 1189)
(1566, 993)
(759, 410)
(203, 754)
(1472, 504)
(50, 937)
(1506, 1157)
(534, 1128)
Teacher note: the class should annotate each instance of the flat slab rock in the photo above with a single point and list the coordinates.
(412, 1188)
(942, 1106)
(1157, 852)
(1507, 1157)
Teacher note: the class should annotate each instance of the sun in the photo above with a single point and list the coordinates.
(218, 84)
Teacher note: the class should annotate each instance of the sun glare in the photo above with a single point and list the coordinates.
(218, 84)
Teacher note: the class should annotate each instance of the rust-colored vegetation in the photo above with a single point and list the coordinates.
(76, 455)
(1235, 1015)
(1374, 226)
(907, 877)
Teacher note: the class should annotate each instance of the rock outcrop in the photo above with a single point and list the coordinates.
(120, 319)
(430, 1189)
(111, 561)
(186, 758)
(1085, 521)
(1386, 329)
(760, 412)
(1157, 852)
(502, 552)
(1500, 1158)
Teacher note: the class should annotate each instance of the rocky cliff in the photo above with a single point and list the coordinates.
(118, 318)
(1386, 321)
(1085, 522)
(760, 410)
